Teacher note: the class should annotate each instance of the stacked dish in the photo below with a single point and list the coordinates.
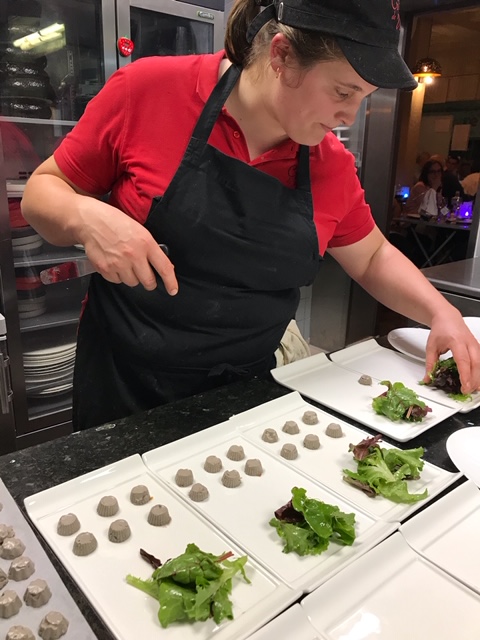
(32, 299)
(26, 242)
(49, 371)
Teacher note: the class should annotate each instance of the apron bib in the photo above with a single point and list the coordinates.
(242, 245)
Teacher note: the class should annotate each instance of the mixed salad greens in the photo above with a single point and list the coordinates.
(307, 526)
(400, 403)
(385, 471)
(445, 376)
(193, 586)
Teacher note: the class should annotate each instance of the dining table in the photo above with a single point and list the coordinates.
(43, 466)
(440, 251)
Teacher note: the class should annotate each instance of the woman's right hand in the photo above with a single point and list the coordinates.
(119, 247)
(123, 251)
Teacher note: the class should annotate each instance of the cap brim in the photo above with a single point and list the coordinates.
(384, 68)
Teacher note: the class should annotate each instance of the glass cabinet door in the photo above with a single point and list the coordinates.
(47, 315)
(164, 34)
(52, 62)
(51, 57)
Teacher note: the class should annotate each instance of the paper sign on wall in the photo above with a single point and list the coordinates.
(460, 137)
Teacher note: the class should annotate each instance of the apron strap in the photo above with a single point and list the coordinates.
(212, 109)
(215, 102)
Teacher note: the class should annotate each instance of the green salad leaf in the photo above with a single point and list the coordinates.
(307, 526)
(400, 403)
(193, 586)
(445, 376)
(385, 472)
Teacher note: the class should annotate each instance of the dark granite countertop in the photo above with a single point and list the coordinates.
(43, 466)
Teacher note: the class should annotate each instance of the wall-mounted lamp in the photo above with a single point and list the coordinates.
(426, 70)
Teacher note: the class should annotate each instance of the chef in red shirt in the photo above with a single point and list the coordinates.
(229, 160)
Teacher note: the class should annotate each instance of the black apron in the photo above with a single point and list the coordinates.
(242, 245)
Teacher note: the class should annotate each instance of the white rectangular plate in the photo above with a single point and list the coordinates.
(244, 513)
(384, 364)
(60, 601)
(390, 593)
(447, 533)
(337, 387)
(292, 623)
(325, 464)
(128, 612)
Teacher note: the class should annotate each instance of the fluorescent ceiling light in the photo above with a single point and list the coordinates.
(53, 32)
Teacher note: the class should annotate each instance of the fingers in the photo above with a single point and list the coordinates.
(432, 356)
(144, 271)
(165, 269)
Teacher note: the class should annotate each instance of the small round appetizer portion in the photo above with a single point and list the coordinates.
(366, 380)
(291, 427)
(11, 548)
(21, 568)
(119, 531)
(84, 544)
(68, 525)
(198, 492)
(18, 632)
(236, 453)
(184, 477)
(231, 479)
(107, 506)
(310, 417)
(53, 626)
(334, 430)
(37, 594)
(311, 441)
(10, 603)
(253, 467)
(6, 532)
(270, 436)
(139, 495)
(289, 451)
(212, 464)
(159, 516)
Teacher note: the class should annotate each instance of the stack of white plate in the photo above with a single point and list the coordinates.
(26, 242)
(49, 371)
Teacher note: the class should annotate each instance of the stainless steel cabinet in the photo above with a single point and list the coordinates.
(55, 55)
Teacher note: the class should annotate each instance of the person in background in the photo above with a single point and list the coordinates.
(470, 183)
(420, 160)
(237, 171)
(430, 178)
(450, 182)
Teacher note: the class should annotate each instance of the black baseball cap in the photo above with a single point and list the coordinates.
(367, 31)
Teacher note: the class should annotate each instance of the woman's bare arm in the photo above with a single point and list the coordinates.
(121, 249)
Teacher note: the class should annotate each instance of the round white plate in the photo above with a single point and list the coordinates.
(412, 341)
(51, 351)
(463, 447)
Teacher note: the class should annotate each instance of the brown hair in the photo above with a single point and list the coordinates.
(310, 47)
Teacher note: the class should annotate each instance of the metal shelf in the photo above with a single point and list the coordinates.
(63, 306)
(49, 255)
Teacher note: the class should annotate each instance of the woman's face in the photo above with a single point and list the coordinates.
(309, 104)
(434, 176)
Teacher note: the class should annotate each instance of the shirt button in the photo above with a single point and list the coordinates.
(236, 134)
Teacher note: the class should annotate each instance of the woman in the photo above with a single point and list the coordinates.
(430, 178)
(240, 215)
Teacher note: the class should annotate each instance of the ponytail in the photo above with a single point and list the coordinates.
(236, 45)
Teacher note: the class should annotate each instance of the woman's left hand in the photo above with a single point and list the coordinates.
(452, 333)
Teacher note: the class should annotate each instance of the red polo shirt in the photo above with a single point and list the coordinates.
(133, 134)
